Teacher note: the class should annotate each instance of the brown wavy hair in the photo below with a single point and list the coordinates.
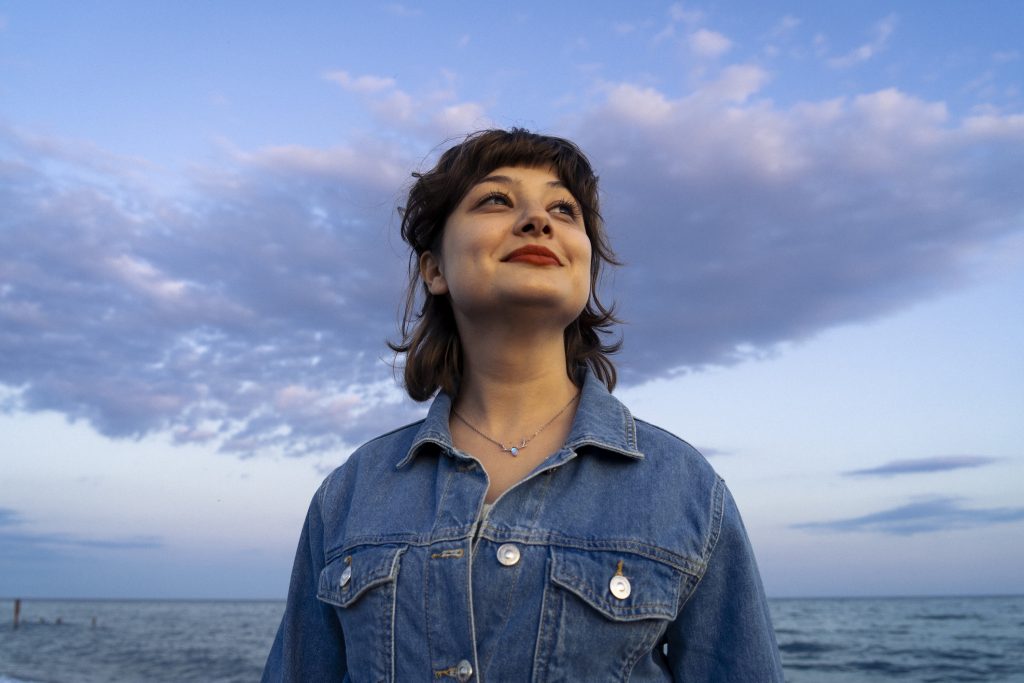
(430, 340)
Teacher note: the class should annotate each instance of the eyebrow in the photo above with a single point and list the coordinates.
(505, 180)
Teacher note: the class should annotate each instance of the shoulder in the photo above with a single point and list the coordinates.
(699, 479)
(351, 501)
(665, 450)
(651, 435)
(685, 483)
(374, 459)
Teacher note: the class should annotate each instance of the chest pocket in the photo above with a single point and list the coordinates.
(621, 586)
(604, 610)
(360, 585)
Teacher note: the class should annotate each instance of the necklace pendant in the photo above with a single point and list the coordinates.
(514, 450)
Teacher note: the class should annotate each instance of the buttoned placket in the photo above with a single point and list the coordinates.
(452, 633)
(508, 554)
(410, 572)
(461, 505)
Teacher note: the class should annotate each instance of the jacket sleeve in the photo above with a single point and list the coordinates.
(724, 630)
(309, 645)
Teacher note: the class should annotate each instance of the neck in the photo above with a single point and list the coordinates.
(514, 378)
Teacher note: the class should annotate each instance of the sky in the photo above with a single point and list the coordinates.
(818, 205)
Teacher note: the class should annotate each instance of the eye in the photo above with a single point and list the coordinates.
(564, 206)
(495, 198)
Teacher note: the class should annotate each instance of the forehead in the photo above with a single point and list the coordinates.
(543, 176)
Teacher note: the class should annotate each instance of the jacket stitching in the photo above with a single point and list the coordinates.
(717, 513)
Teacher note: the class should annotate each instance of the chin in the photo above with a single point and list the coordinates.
(533, 299)
(545, 296)
(565, 312)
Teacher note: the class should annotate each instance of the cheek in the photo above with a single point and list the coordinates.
(583, 260)
(460, 259)
(588, 250)
(584, 254)
(458, 239)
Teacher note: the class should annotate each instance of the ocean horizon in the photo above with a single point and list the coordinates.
(822, 640)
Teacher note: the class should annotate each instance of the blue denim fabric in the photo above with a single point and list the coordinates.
(395, 581)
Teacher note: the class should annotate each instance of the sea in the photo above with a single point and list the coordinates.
(840, 640)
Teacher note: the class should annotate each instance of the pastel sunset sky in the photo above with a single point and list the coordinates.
(819, 205)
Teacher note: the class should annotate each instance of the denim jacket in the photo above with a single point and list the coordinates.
(620, 557)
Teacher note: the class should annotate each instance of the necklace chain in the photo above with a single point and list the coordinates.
(514, 450)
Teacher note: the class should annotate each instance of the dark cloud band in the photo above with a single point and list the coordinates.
(250, 311)
(924, 516)
(942, 463)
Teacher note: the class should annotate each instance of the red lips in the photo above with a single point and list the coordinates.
(534, 253)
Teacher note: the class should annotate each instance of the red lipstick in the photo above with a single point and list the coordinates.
(535, 254)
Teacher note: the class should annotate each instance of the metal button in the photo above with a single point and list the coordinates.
(346, 576)
(463, 670)
(508, 554)
(619, 586)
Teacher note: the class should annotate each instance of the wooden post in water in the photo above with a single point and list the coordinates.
(17, 611)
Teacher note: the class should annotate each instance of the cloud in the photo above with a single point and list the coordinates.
(708, 44)
(940, 463)
(744, 224)
(460, 118)
(8, 517)
(138, 313)
(433, 115)
(22, 545)
(679, 13)
(26, 546)
(995, 125)
(736, 84)
(924, 516)
(249, 310)
(640, 104)
(880, 38)
(781, 34)
(785, 26)
(360, 84)
(401, 10)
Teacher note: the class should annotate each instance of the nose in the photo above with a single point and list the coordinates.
(534, 220)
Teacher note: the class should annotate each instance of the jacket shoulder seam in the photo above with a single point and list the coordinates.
(715, 532)
(669, 434)
(389, 433)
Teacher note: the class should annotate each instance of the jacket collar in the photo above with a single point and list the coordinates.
(601, 422)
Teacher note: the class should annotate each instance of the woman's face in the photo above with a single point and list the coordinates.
(515, 241)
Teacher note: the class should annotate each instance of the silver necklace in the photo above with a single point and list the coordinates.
(514, 450)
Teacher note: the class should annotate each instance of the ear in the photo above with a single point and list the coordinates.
(430, 271)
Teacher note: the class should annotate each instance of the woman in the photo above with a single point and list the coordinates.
(529, 528)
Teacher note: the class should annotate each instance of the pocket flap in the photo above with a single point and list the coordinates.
(650, 590)
(348, 576)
